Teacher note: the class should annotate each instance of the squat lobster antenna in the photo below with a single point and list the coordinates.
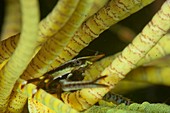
(76, 85)
(92, 58)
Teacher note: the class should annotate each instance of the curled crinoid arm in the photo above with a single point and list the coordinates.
(76, 85)
(116, 98)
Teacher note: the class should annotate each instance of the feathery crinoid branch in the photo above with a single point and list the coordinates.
(23, 53)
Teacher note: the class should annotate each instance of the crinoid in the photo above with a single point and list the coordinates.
(39, 71)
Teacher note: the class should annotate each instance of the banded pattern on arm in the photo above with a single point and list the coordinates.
(23, 53)
(8, 46)
(156, 73)
(123, 86)
(97, 5)
(56, 19)
(113, 12)
(47, 54)
(161, 49)
(59, 15)
(124, 62)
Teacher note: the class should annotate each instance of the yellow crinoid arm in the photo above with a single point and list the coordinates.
(56, 19)
(155, 72)
(7, 47)
(12, 20)
(110, 14)
(151, 74)
(23, 53)
(125, 61)
(47, 54)
(161, 49)
(97, 4)
(36, 107)
(16, 103)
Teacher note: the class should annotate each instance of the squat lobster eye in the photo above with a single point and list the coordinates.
(78, 63)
